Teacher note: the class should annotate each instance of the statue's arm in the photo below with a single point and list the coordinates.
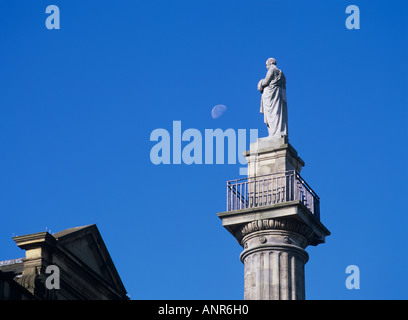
(268, 78)
(260, 87)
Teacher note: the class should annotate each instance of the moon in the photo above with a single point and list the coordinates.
(218, 111)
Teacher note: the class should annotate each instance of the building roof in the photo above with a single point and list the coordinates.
(80, 250)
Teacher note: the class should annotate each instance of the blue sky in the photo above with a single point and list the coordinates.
(77, 106)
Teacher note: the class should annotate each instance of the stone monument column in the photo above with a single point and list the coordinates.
(275, 222)
(273, 213)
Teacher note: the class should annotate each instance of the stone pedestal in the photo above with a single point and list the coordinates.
(274, 235)
(272, 155)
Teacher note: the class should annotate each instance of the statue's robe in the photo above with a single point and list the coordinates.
(273, 102)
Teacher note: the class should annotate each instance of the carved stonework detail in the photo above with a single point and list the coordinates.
(33, 282)
(262, 240)
(277, 224)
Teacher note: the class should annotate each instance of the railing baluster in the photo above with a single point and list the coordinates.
(275, 190)
(257, 194)
(280, 189)
(240, 195)
(245, 194)
(289, 182)
(228, 209)
(237, 198)
(253, 193)
(230, 197)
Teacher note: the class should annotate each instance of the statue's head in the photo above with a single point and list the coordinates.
(269, 62)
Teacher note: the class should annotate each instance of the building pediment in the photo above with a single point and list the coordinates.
(86, 268)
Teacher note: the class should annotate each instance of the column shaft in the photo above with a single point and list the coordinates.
(274, 265)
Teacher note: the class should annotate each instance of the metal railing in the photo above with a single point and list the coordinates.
(271, 189)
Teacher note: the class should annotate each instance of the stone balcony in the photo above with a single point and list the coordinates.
(284, 195)
(271, 189)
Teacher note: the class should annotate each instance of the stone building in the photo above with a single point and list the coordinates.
(79, 268)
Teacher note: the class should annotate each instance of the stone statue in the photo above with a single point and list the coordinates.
(273, 101)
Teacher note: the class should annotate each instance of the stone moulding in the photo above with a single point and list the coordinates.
(292, 249)
(276, 224)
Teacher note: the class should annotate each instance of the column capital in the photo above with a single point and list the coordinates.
(291, 225)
